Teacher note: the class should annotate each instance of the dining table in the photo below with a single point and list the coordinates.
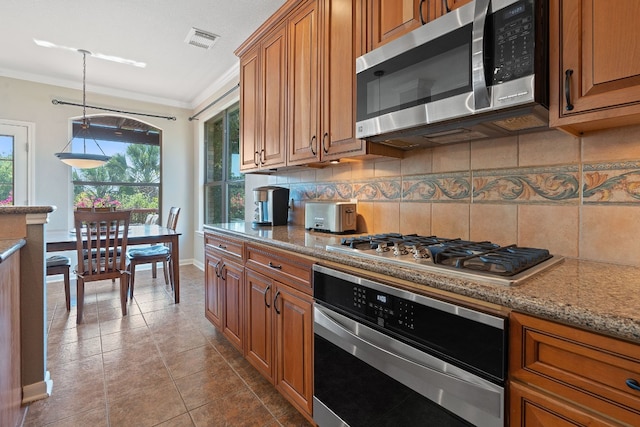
(65, 240)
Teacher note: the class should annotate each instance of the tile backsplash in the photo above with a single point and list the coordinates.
(576, 196)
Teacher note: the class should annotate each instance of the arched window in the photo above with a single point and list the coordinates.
(132, 177)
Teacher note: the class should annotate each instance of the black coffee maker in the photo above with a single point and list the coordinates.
(272, 205)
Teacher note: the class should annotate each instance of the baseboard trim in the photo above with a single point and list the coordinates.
(37, 391)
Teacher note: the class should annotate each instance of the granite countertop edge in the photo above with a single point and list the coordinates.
(9, 246)
(21, 210)
(582, 302)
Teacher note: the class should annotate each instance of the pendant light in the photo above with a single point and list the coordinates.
(83, 160)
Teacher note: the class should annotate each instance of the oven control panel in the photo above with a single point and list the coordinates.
(384, 309)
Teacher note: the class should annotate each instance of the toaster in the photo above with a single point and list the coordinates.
(330, 217)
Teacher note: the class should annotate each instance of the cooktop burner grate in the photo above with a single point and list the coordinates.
(482, 258)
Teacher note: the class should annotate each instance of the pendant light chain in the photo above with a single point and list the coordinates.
(84, 88)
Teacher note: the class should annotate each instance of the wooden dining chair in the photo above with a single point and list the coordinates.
(153, 255)
(104, 235)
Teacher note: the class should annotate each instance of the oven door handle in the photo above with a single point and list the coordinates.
(450, 386)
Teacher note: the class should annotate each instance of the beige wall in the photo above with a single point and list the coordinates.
(578, 197)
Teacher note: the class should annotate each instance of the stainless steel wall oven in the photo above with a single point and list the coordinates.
(384, 356)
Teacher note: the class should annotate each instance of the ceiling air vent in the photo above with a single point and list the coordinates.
(201, 38)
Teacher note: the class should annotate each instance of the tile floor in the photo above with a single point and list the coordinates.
(163, 364)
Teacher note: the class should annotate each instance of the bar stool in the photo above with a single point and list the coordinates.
(59, 264)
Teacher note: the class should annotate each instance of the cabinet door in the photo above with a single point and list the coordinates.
(249, 110)
(274, 73)
(232, 277)
(450, 5)
(294, 346)
(391, 19)
(531, 408)
(303, 86)
(259, 340)
(213, 290)
(341, 45)
(596, 45)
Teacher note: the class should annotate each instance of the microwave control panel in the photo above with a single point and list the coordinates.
(514, 42)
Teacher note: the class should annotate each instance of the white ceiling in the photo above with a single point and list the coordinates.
(150, 31)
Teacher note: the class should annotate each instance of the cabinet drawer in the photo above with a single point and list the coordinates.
(589, 369)
(281, 266)
(223, 244)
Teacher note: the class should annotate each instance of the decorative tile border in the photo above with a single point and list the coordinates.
(334, 191)
(611, 183)
(303, 191)
(377, 189)
(436, 187)
(528, 185)
(597, 183)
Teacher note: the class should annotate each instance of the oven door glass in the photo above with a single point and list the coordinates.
(367, 378)
(363, 396)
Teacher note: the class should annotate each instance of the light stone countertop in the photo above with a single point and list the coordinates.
(596, 296)
(18, 210)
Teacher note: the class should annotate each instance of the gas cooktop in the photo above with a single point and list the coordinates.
(483, 261)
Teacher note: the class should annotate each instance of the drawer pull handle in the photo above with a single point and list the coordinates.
(265, 296)
(216, 269)
(272, 265)
(633, 384)
(221, 246)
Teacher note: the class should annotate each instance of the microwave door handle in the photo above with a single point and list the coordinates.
(480, 90)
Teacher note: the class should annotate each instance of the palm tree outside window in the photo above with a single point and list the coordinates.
(131, 179)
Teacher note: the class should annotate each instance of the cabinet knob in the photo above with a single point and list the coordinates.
(633, 384)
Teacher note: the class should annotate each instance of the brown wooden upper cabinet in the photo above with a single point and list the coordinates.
(263, 103)
(391, 19)
(297, 79)
(595, 67)
(325, 39)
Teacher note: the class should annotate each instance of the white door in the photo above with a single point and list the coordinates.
(14, 141)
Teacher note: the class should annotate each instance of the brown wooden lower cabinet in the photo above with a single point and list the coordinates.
(561, 375)
(10, 385)
(279, 339)
(224, 286)
(261, 300)
(294, 346)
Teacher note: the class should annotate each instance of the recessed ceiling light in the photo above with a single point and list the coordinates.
(111, 58)
(200, 38)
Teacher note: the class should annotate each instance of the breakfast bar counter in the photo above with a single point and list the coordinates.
(597, 296)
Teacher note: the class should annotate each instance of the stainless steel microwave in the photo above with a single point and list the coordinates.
(480, 71)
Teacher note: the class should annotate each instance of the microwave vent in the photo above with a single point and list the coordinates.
(455, 135)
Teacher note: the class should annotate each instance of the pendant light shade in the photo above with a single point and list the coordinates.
(83, 160)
